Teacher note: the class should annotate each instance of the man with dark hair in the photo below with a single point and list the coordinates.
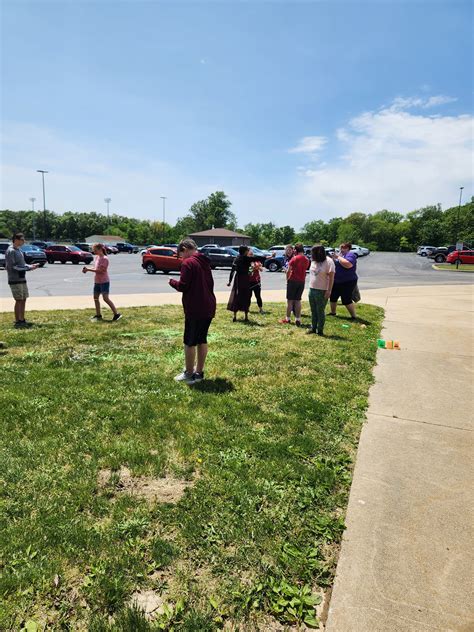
(16, 271)
(296, 277)
(199, 304)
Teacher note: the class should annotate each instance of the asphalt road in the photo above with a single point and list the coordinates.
(380, 269)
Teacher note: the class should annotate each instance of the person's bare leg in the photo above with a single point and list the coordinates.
(289, 309)
(351, 309)
(333, 307)
(189, 358)
(22, 309)
(235, 317)
(109, 303)
(246, 316)
(17, 310)
(97, 305)
(297, 310)
(201, 357)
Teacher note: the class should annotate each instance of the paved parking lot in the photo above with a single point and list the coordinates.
(380, 269)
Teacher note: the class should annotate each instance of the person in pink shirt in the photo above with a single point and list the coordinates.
(321, 280)
(101, 281)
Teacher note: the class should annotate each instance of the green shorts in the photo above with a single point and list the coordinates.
(19, 291)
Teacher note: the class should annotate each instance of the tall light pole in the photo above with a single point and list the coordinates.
(108, 201)
(33, 200)
(457, 226)
(44, 202)
(163, 197)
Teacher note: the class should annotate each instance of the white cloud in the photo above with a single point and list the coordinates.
(405, 103)
(393, 159)
(309, 145)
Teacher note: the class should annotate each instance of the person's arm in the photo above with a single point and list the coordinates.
(345, 263)
(233, 270)
(19, 264)
(94, 268)
(184, 280)
(331, 274)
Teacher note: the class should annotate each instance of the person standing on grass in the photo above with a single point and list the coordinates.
(321, 280)
(101, 281)
(16, 272)
(241, 294)
(296, 277)
(256, 282)
(345, 279)
(199, 304)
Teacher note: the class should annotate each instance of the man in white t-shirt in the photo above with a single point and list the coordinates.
(321, 280)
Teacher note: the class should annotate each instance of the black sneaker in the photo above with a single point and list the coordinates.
(94, 318)
(198, 377)
(117, 316)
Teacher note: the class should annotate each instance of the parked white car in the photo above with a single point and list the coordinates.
(424, 251)
(142, 252)
(360, 250)
(3, 249)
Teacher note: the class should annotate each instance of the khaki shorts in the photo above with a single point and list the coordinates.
(19, 291)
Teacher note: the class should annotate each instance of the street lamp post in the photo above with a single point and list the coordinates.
(44, 202)
(33, 200)
(108, 201)
(163, 197)
(457, 225)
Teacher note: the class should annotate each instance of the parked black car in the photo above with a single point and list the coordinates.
(85, 247)
(219, 257)
(124, 246)
(440, 254)
(42, 244)
(33, 254)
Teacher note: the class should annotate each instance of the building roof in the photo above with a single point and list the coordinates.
(106, 238)
(218, 232)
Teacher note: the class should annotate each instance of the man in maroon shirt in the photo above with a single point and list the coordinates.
(199, 304)
(296, 277)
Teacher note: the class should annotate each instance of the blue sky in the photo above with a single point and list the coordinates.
(297, 110)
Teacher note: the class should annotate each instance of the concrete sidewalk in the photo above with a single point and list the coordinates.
(406, 563)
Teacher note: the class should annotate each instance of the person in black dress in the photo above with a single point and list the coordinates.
(241, 293)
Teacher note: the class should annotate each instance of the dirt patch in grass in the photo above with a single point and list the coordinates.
(150, 602)
(163, 490)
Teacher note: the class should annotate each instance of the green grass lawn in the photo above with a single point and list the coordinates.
(225, 500)
(463, 267)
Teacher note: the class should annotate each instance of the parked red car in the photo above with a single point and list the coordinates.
(67, 253)
(164, 259)
(464, 256)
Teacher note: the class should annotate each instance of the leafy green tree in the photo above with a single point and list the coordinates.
(214, 211)
(314, 232)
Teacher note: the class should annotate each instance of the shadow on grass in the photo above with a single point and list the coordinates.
(214, 385)
(357, 321)
(247, 323)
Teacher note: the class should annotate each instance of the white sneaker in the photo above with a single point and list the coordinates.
(187, 378)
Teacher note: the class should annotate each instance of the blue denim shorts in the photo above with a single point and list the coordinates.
(101, 288)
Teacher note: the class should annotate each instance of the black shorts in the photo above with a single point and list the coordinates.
(195, 331)
(343, 290)
(294, 290)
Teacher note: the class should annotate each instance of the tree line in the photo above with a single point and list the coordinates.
(384, 230)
